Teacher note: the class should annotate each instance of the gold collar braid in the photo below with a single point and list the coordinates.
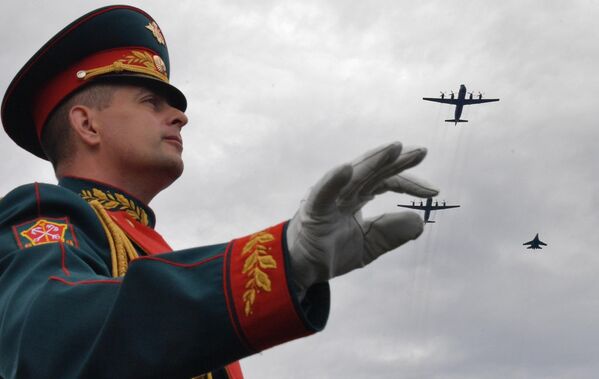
(122, 250)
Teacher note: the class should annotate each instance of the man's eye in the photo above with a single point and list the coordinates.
(151, 100)
(155, 101)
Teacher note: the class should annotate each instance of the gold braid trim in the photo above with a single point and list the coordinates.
(119, 67)
(138, 61)
(122, 250)
(116, 200)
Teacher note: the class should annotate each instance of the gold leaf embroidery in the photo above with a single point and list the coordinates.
(257, 260)
(99, 194)
(142, 57)
(250, 262)
(262, 280)
(118, 201)
(122, 199)
(110, 204)
(267, 262)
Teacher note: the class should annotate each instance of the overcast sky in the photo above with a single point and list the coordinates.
(279, 92)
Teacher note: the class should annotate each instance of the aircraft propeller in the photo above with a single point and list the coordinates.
(480, 95)
(442, 94)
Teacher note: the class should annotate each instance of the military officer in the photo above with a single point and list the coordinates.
(90, 290)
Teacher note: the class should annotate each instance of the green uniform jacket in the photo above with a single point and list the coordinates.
(172, 315)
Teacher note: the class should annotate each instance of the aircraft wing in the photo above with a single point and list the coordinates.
(435, 207)
(429, 207)
(477, 101)
(444, 101)
(533, 243)
(419, 207)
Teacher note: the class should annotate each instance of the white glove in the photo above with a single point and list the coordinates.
(327, 237)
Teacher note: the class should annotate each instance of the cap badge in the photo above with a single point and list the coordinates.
(153, 27)
(159, 63)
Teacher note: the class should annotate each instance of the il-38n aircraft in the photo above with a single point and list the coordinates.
(427, 208)
(459, 102)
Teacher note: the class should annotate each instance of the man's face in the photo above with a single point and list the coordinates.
(141, 133)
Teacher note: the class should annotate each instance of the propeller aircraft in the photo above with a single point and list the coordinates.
(459, 102)
(428, 207)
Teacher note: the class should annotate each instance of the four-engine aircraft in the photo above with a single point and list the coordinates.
(459, 102)
(428, 207)
(535, 243)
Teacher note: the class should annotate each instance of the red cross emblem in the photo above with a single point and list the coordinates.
(45, 231)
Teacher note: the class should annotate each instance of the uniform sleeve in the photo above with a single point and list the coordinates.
(175, 315)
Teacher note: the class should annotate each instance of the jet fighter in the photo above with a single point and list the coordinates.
(535, 243)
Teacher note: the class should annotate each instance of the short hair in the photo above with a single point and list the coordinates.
(56, 140)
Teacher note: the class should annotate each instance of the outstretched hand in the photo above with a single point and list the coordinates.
(328, 237)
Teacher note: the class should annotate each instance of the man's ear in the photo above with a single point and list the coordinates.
(82, 122)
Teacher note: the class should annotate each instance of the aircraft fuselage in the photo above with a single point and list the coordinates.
(460, 104)
(427, 210)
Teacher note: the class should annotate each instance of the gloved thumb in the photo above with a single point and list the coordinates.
(389, 231)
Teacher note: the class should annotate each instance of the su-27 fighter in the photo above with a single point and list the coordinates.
(535, 243)
(428, 207)
(459, 102)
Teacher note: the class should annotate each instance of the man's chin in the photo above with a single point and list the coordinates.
(168, 172)
(176, 170)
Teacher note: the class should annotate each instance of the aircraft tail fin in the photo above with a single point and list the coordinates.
(456, 121)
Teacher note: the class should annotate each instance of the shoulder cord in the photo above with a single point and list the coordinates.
(122, 250)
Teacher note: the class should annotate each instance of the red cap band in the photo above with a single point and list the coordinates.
(131, 60)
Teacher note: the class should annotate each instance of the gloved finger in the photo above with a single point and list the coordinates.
(409, 157)
(323, 196)
(389, 231)
(406, 183)
(367, 166)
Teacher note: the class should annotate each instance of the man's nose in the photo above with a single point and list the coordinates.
(177, 118)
